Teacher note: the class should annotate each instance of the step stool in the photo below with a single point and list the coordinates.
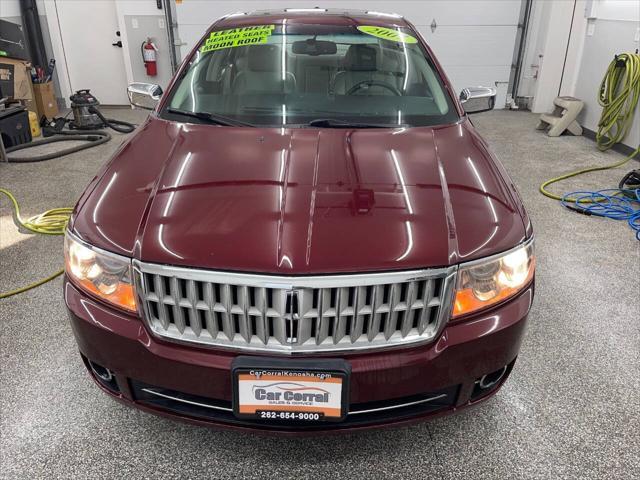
(563, 117)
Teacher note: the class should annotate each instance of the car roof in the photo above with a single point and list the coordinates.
(324, 16)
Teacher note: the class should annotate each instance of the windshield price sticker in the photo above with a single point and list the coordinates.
(387, 34)
(291, 397)
(237, 37)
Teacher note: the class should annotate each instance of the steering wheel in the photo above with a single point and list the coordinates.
(374, 83)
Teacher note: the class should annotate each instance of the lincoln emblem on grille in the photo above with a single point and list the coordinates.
(292, 316)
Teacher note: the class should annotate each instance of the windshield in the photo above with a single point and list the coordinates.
(293, 75)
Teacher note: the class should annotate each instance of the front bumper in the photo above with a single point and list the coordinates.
(387, 387)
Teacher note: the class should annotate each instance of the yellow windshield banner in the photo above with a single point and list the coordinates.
(237, 37)
(387, 34)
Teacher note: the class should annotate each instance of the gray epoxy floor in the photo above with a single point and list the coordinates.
(570, 409)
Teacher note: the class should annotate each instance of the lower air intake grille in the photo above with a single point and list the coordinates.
(294, 314)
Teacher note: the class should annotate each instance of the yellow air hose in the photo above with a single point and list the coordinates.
(619, 94)
(51, 222)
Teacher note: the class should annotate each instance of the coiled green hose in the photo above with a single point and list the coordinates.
(618, 96)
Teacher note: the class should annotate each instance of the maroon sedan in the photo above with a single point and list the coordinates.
(307, 234)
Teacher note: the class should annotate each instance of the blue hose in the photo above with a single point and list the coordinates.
(609, 203)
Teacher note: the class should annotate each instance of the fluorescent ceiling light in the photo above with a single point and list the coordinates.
(305, 9)
(383, 14)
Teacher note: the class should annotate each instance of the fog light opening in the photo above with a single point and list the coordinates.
(101, 372)
(491, 379)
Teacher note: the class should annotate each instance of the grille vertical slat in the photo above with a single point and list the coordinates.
(245, 323)
(162, 304)
(376, 317)
(209, 299)
(279, 322)
(233, 310)
(262, 325)
(426, 314)
(305, 310)
(227, 321)
(178, 317)
(407, 321)
(357, 322)
(341, 319)
(194, 318)
(390, 325)
(324, 305)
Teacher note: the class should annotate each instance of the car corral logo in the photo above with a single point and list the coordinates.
(290, 393)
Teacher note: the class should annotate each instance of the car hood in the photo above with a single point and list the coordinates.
(301, 201)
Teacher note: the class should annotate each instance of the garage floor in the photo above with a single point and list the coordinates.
(570, 409)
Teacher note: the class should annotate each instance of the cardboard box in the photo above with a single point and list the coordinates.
(15, 79)
(30, 104)
(45, 99)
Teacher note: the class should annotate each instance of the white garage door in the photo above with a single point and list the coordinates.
(473, 39)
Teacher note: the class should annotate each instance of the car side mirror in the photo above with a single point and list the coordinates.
(478, 99)
(144, 95)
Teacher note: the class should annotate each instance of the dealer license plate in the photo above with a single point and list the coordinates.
(291, 395)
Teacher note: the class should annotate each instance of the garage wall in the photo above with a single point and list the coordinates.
(616, 29)
(138, 20)
(473, 39)
(549, 68)
(573, 43)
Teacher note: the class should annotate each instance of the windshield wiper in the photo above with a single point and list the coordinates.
(334, 123)
(211, 118)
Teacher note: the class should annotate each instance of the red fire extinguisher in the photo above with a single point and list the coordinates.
(149, 56)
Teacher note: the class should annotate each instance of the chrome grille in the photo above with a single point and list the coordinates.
(294, 314)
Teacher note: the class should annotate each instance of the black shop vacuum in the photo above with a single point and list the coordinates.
(85, 127)
(87, 116)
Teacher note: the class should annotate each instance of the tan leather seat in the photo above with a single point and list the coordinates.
(264, 72)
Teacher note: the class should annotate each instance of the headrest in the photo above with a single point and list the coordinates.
(360, 58)
(391, 61)
(264, 58)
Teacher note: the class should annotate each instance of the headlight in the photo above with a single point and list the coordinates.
(103, 274)
(485, 283)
